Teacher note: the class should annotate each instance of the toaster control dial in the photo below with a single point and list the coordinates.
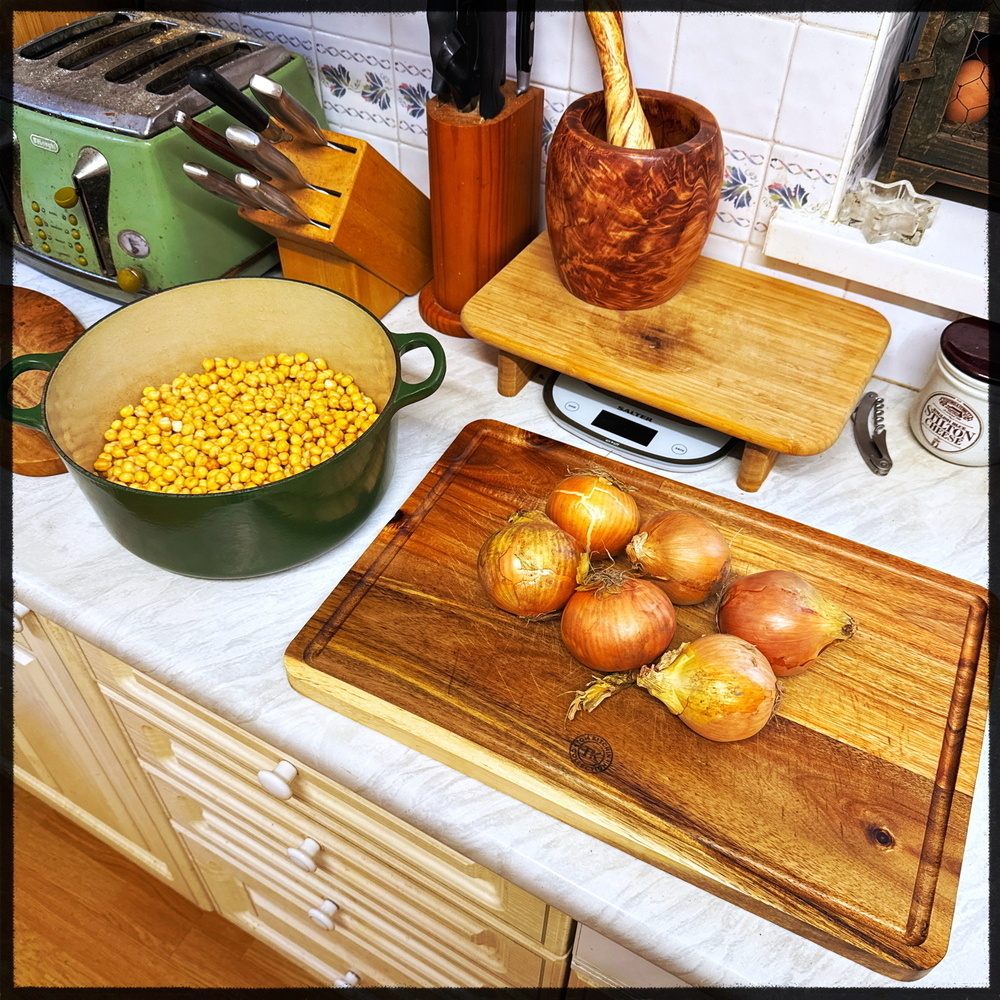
(66, 197)
(131, 279)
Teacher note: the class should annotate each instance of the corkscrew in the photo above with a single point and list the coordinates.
(869, 433)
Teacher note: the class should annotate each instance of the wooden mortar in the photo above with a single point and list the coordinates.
(628, 225)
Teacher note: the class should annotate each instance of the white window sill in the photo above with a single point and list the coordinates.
(948, 268)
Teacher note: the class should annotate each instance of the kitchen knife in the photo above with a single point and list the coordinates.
(213, 85)
(290, 114)
(492, 65)
(440, 23)
(524, 43)
(265, 157)
(267, 196)
(210, 139)
(218, 184)
(453, 63)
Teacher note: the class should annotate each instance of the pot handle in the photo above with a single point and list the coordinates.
(410, 392)
(29, 416)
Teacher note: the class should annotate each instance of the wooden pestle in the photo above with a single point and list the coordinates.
(626, 121)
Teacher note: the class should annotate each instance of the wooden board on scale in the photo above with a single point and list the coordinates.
(843, 820)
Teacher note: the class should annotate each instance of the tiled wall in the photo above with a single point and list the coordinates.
(800, 99)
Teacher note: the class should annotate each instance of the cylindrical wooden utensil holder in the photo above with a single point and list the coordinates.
(628, 225)
(485, 177)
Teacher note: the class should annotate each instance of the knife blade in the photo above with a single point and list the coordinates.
(290, 114)
(211, 140)
(524, 43)
(213, 85)
(267, 196)
(218, 184)
(492, 66)
(269, 158)
(440, 23)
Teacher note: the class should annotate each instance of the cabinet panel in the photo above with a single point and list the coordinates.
(236, 757)
(70, 752)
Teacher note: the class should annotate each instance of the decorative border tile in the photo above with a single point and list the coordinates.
(797, 180)
(554, 105)
(412, 75)
(746, 160)
(357, 85)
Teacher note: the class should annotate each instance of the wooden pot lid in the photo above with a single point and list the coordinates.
(41, 325)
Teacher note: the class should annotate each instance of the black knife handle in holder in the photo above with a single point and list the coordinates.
(371, 241)
(485, 180)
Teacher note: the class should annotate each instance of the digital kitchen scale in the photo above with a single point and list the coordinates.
(644, 435)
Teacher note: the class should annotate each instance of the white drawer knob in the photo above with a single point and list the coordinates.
(348, 979)
(19, 612)
(321, 914)
(303, 854)
(276, 782)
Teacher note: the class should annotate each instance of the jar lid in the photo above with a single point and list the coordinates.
(966, 344)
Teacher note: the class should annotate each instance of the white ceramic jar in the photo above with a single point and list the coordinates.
(951, 415)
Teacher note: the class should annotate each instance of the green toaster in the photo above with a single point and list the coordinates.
(96, 194)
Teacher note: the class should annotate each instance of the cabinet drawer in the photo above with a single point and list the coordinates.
(169, 719)
(443, 948)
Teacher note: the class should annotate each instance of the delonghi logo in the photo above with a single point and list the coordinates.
(636, 413)
(42, 143)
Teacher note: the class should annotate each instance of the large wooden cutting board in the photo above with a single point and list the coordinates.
(844, 819)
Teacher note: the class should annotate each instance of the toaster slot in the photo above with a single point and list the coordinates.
(112, 41)
(59, 39)
(176, 78)
(170, 50)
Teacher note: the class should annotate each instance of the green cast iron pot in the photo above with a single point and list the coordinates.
(248, 532)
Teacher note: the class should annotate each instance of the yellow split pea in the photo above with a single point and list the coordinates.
(235, 425)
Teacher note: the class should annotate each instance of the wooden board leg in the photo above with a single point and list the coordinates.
(513, 373)
(755, 466)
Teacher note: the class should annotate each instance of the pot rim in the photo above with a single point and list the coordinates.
(708, 131)
(216, 495)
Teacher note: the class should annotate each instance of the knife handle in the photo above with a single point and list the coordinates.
(524, 36)
(286, 110)
(210, 139)
(213, 85)
(626, 121)
(218, 184)
(270, 198)
(264, 157)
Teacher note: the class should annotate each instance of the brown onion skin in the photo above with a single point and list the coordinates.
(686, 553)
(531, 567)
(619, 627)
(618, 520)
(784, 616)
(719, 685)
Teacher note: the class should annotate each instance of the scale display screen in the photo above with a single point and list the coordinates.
(623, 427)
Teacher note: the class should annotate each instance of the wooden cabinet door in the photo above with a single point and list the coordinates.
(71, 753)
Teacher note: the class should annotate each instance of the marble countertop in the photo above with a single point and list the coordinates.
(221, 644)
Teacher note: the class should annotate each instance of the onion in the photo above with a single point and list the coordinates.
(617, 622)
(720, 686)
(531, 567)
(684, 551)
(784, 616)
(596, 509)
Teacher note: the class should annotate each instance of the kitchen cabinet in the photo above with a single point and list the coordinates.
(336, 884)
(70, 752)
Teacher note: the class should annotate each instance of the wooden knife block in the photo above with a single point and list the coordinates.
(485, 180)
(377, 247)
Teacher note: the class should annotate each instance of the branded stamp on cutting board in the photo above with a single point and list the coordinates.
(843, 820)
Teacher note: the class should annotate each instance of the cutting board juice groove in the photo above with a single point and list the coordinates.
(844, 820)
